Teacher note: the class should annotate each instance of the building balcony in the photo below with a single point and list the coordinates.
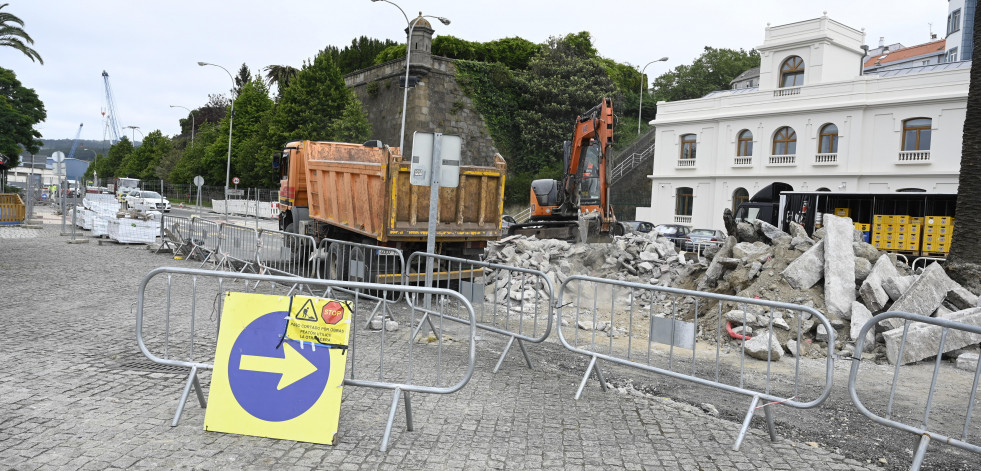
(826, 159)
(786, 91)
(788, 160)
(914, 157)
(742, 161)
(682, 219)
(686, 163)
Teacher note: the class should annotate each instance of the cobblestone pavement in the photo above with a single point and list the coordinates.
(71, 399)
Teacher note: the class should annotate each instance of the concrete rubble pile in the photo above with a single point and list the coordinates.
(835, 272)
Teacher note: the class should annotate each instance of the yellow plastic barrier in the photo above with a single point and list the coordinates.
(12, 209)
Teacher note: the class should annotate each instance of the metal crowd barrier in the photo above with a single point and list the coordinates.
(238, 247)
(205, 238)
(511, 301)
(642, 326)
(286, 253)
(175, 234)
(350, 261)
(925, 260)
(940, 330)
(178, 317)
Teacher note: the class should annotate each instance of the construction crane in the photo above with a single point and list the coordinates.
(112, 126)
(71, 153)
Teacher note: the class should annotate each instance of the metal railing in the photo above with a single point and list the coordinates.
(523, 215)
(642, 326)
(511, 301)
(205, 238)
(945, 333)
(175, 234)
(238, 248)
(179, 313)
(630, 162)
(286, 253)
(924, 260)
(341, 260)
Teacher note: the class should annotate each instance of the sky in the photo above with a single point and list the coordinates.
(150, 49)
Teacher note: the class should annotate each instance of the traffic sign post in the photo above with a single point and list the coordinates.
(279, 367)
(199, 182)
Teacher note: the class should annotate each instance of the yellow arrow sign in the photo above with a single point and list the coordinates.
(292, 366)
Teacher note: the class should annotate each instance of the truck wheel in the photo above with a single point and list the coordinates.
(617, 229)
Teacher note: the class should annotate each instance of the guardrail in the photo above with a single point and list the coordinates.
(286, 253)
(632, 324)
(205, 238)
(925, 260)
(511, 301)
(175, 234)
(178, 316)
(941, 331)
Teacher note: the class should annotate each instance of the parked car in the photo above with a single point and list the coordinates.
(703, 236)
(506, 222)
(147, 199)
(638, 226)
(676, 232)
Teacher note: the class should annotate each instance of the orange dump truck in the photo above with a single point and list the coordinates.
(361, 193)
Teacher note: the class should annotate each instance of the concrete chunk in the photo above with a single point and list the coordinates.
(805, 271)
(872, 293)
(924, 296)
(967, 361)
(897, 285)
(839, 266)
(764, 345)
(962, 298)
(923, 340)
(860, 316)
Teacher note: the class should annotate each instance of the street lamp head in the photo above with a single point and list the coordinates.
(445, 21)
(663, 59)
(202, 64)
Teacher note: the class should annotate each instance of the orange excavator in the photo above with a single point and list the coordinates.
(577, 208)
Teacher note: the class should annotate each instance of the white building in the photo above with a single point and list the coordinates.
(814, 122)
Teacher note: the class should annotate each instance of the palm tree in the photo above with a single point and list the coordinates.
(964, 260)
(281, 76)
(14, 36)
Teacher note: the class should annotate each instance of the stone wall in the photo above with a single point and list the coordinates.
(436, 104)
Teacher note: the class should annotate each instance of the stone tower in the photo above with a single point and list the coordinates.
(435, 104)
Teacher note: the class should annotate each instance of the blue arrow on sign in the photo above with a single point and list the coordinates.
(275, 381)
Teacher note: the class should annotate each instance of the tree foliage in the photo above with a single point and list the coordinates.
(359, 54)
(12, 35)
(20, 111)
(711, 71)
(243, 77)
(280, 76)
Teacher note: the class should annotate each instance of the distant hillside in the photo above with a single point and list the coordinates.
(65, 145)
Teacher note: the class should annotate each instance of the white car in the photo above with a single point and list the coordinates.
(150, 200)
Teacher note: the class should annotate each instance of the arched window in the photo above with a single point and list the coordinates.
(683, 200)
(739, 196)
(916, 134)
(792, 72)
(785, 141)
(744, 146)
(828, 139)
(688, 145)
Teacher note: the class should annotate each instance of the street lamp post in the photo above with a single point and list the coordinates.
(134, 128)
(192, 120)
(641, 106)
(231, 120)
(408, 52)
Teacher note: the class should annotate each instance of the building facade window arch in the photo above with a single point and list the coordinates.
(744, 143)
(828, 139)
(792, 72)
(784, 141)
(740, 195)
(688, 146)
(917, 134)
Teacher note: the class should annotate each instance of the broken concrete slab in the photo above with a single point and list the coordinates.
(797, 230)
(805, 271)
(839, 266)
(861, 316)
(866, 251)
(862, 269)
(961, 298)
(871, 291)
(747, 251)
(924, 296)
(923, 340)
(967, 361)
(897, 285)
(772, 232)
(764, 345)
